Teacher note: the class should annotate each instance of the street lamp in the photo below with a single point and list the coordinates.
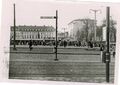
(14, 47)
(108, 44)
(95, 22)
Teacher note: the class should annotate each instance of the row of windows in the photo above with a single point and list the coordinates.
(37, 35)
(33, 37)
(24, 36)
(35, 30)
(34, 33)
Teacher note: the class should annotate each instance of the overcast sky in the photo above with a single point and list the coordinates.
(28, 12)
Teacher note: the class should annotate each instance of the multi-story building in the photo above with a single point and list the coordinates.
(80, 25)
(74, 26)
(62, 35)
(34, 33)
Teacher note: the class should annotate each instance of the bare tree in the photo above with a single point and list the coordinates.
(99, 32)
(86, 32)
(88, 25)
(112, 29)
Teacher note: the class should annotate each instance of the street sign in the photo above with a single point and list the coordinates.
(48, 17)
(53, 17)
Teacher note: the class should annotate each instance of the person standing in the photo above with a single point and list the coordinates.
(113, 51)
(30, 45)
(65, 43)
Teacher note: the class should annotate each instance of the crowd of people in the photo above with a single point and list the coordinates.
(66, 43)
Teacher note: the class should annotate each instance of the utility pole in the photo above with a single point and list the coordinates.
(56, 18)
(56, 59)
(95, 22)
(14, 47)
(108, 53)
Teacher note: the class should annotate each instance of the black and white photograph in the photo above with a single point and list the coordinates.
(64, 42)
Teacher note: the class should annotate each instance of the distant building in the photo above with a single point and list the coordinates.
(74, 26)
(79, 25)
(34, 33)
(62, 35)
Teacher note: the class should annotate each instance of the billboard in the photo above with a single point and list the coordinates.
(104, 38)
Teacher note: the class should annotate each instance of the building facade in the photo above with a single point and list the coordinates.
(74, 26)
(62, 35)
(80, 28)
(34, 33)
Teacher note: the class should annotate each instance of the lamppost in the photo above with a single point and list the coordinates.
(56, 18)
(14, 28)
(108, 44)
(95, 22)
(106, 37)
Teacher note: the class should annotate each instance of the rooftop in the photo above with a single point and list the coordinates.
(37, 28)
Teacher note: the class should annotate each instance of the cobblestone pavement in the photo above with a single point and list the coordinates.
(76, 68)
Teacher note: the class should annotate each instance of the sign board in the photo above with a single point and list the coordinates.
(104, 30)
(48, 17)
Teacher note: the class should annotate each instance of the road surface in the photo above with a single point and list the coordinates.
(75, 64)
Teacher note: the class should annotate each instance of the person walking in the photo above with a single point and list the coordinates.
(113, 51)
(65, 43)
(30, 45)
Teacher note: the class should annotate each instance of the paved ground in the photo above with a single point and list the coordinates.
(77, 64)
